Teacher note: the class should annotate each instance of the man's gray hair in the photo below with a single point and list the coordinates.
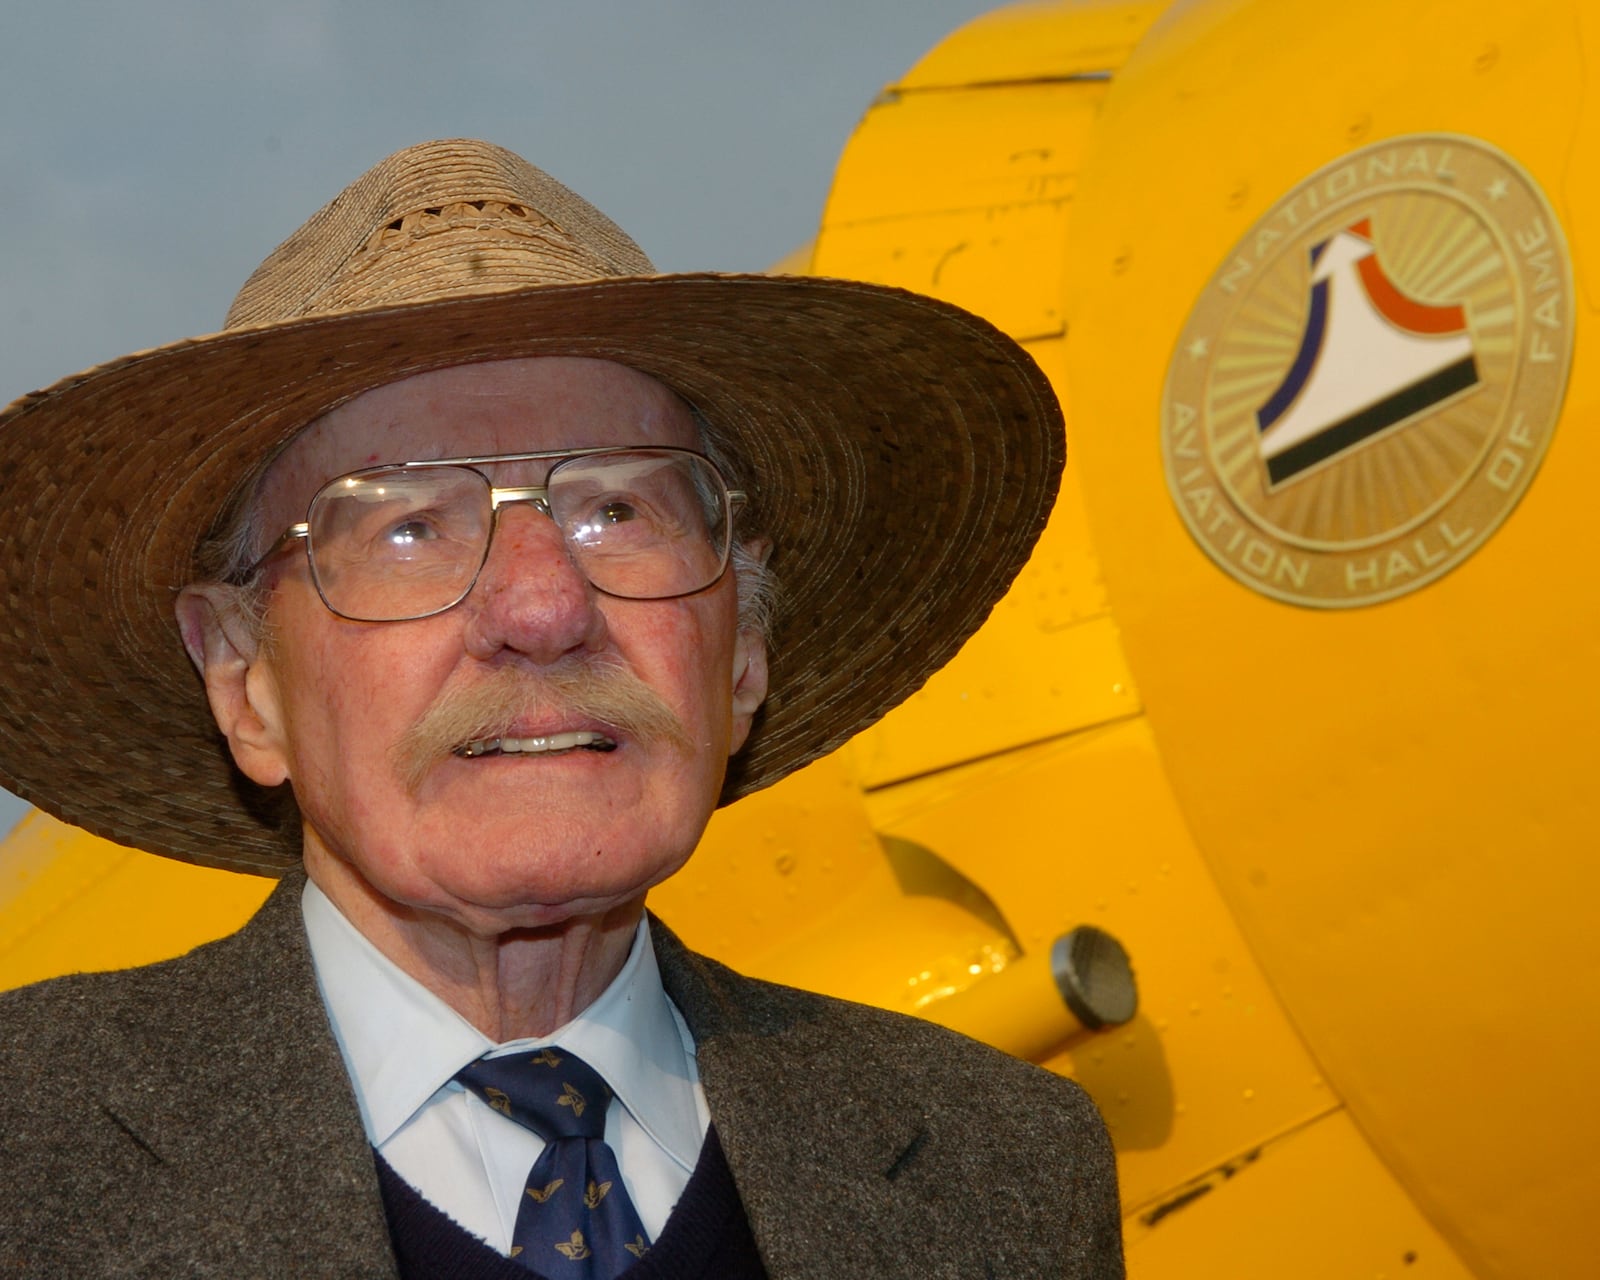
(757, 585)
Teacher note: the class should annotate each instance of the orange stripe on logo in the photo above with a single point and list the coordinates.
(1418, 317)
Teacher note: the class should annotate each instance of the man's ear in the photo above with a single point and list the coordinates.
(749, 683)
(749, 663)
(240, 683)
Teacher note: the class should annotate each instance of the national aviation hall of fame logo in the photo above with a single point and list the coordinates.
(1366, 386)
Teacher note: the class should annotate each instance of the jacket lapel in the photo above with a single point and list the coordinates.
(831, 1163)
(252, 1137)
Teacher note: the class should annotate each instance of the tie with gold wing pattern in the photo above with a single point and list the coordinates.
(576, 1219)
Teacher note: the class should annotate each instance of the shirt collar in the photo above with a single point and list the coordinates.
(402, 1044)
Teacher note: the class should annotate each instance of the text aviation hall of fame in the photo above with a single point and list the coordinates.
(1367, 384)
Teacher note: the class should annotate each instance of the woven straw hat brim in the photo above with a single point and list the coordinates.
(904, 454)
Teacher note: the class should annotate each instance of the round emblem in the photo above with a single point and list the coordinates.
(1369, 381)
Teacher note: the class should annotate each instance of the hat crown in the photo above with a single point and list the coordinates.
(437, 220)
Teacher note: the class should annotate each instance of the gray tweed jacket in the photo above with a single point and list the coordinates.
(194, 1118)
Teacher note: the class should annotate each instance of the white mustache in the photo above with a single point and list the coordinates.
(592, 689)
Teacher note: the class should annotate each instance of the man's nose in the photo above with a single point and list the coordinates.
(530, 597)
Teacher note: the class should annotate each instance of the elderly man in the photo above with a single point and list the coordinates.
(503, 561)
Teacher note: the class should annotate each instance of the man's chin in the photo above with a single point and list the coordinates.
(496, 912)
(492, 891)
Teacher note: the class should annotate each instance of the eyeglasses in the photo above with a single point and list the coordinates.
(408, 540)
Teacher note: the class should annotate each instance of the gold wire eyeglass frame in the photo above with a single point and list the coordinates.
(500, 496)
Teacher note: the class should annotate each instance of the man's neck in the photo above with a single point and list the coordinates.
(521, 983)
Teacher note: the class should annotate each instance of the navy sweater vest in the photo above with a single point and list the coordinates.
(707, 1236)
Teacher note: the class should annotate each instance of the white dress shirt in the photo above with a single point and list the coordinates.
(402, 1046)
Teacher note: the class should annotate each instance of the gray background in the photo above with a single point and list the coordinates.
(153, 153)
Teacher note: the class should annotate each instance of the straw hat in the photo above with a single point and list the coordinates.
(904, 456)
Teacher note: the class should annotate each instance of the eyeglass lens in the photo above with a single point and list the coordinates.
(402, 542)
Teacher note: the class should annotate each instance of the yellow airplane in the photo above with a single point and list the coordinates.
(1293, 709)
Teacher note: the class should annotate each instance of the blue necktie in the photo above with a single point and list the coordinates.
(575, 1219)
